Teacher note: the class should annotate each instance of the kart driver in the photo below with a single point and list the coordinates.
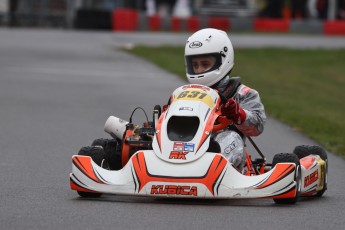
(209, 59)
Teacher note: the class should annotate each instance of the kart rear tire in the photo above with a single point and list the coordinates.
(100, 142)
(305, 150)
(289, 158)
(97, 155)
(112, 152)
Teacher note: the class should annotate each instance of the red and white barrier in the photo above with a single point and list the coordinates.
(128, 20)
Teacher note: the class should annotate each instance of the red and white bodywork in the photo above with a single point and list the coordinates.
(314, 173)
(179, 165)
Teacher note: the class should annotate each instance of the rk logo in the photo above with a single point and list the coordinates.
(178, 155)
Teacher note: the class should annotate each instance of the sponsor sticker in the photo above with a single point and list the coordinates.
(186, 108)
(230, 147)
(181, 146)
(196, 87)
(174, 190)
(311, 178)
(189, 147)
(178, 146)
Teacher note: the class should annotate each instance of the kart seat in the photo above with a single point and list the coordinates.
(214, 147)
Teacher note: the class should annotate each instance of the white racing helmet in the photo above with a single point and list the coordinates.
(215, 43)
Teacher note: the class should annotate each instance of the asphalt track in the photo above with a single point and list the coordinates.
(56, 90)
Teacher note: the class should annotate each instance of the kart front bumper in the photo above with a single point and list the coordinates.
(211, 176)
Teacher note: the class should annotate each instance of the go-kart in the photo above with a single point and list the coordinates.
(175, 156)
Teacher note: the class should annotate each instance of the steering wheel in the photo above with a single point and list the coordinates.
(223, 99)
(222, 121)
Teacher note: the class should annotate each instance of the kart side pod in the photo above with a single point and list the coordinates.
(115, 126)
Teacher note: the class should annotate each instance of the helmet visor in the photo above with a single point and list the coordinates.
(200, 64)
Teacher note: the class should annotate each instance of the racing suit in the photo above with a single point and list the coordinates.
(231, 140)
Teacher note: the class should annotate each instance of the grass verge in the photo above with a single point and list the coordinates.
(303, 88)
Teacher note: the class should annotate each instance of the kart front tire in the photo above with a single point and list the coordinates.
(306, 150)
(289, 158)
(112, 152)
(95, 152)
(97, 155)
